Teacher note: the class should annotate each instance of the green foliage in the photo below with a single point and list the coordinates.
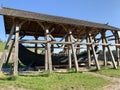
(55, 81)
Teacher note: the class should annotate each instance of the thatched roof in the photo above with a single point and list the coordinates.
(34, 22)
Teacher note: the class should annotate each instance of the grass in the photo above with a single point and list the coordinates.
(109, 71)
(2, 45)
(55, 81)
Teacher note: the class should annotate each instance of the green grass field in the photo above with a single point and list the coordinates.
(110, 71)
(55, 81)
(2, 46)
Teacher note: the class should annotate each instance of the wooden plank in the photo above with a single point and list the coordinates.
(94, 54)
(15, 72)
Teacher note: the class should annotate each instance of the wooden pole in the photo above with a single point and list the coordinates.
(78, 49)
(69, 54)
(46, 55)
(117, 48)
(36, 47)
(113, 60)
(15, 72)
(104, 49)
(74, 54)
(94, 54)
(49, 51)
(88, 53)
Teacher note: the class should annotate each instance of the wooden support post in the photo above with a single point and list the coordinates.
(94, 54)
(113, 60)
(49, 51)
(66, 49)
(69, 54)
(74, 54)
(6, 47)
(117, 47)
(46, 55)
(104, 49)
(36, 48)
(88, 53)
(15, 72)
(78, 49)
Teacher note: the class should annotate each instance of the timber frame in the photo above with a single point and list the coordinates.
(19, 23)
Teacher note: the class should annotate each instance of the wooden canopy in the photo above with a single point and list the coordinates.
(34, 24)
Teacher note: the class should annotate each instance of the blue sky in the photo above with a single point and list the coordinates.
(101, 11)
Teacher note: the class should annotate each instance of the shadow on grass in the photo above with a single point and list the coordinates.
(8, 78)
(37, 75)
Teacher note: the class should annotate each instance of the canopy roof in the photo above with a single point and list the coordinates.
(34, 24)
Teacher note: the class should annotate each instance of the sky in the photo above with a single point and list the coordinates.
(101, 11)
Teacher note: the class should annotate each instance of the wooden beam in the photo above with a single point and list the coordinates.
(113, 60)
(88, 53)
(78, 47)
(46, 54)
(69, 54)
(9, 54)
(74, 53)
(117, 48)
(104, 49)
(94, 54)
(15, 72)
(36, 46)
(49, 51)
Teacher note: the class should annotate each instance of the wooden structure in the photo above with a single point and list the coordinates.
(19, 23)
